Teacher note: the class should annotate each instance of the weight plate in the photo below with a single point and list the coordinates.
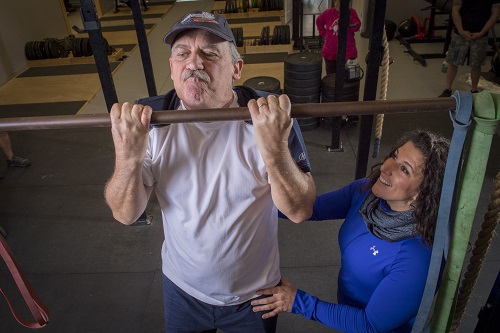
(263, 83)
(286, 27)
(74, 50)
(304, 99)
(307, 124)
(303, 61)
(302, 75)
(27, 51)
(87, 48)
(262, 36)
(239, 40)
(302, 91)
(32, 50)
(275, 38)
(282, 34)
(306, 83)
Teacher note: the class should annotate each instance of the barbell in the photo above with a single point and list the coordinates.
(228, 114)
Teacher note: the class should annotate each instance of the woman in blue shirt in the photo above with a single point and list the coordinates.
(385, 242)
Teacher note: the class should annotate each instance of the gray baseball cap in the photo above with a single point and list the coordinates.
(213, 23)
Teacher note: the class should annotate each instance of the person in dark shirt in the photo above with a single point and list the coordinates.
(473, 20)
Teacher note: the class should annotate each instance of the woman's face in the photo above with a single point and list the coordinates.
(336, 4)
(400, 177)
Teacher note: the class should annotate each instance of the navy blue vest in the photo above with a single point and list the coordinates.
(170, 101)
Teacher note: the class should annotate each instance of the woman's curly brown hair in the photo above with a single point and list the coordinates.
(435, 149)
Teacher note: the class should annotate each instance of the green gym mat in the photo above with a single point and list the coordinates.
(254, 20)
(41, 109)
(64, 70)
(125, 47)
(124, 27)
(129, 17)
(260, 58)
(160, 3)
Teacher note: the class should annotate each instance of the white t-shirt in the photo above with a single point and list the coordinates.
(219, 220)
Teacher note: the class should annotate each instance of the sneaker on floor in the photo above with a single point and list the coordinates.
(18, 162)
(445, 93)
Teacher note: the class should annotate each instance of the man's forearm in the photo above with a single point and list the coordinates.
(491, 22)
(457, 19)
(293, 191)
(126, 195)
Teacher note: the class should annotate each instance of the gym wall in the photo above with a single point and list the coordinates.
(398, 10)
(24, 21)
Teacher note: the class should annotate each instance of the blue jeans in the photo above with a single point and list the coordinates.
(184, 313)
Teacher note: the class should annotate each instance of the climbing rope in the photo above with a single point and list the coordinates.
(383, 94)
(491, 219)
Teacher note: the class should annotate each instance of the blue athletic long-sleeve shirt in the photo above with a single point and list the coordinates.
(380, 283)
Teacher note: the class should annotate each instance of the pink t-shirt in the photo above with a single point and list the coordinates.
(328, 27)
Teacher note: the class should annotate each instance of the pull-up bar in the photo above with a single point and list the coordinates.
(227, 114)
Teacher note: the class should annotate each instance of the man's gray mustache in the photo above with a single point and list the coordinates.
(200, 74)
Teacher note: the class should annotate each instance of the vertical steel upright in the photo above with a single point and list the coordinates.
(143, 47)
(371, 81)
(92, 26)
(344, 19)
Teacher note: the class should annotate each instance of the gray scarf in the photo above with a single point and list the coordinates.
(384, 223)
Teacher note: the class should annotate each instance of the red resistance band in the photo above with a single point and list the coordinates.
(37, 308)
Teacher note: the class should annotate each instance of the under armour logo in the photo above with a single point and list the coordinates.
(375, 252)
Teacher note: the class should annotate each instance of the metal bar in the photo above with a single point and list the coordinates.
(344, 19)
(92, 25)
(370, 93)
(143, 46)
(227, 114)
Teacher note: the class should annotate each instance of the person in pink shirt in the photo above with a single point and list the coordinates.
(328, 27)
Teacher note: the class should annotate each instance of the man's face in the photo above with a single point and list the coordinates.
(202, 70)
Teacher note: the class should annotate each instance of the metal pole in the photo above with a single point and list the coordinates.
(93, 27)
(296, 17)
(143, 47)
(365, 127)
(228, 114)
(344, 19)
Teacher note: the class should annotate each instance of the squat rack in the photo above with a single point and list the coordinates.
(467, 193)
(366, 108)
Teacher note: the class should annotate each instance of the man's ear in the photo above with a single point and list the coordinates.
(237, 68)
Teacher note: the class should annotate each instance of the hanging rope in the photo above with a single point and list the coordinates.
(491, 219)
(383, 94)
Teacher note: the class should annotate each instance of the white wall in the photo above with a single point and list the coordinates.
(24, 21)
(398, 11)
(287, 7)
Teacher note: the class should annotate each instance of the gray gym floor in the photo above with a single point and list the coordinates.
(96, 275)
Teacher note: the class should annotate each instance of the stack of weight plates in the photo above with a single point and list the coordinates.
(303, 82)
(231, 7)
(238, 36)
(264, 35)
(81, 47)
(281, 34)
(264, 83)
(46, 49)
(350, 92)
